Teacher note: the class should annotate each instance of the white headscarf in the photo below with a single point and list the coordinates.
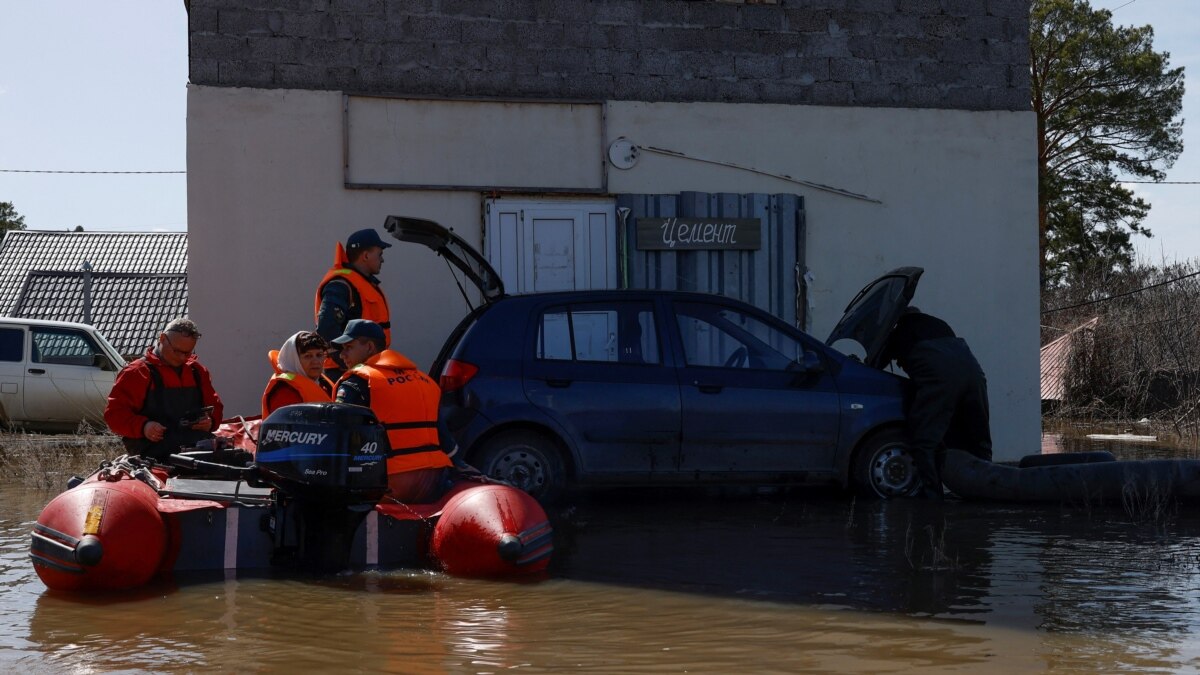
(289, 357)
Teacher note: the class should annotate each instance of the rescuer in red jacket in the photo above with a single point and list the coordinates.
(405, 401)
(350, 290)
(298, 366)
(164, 400)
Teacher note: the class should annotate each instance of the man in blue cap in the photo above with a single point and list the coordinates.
(350, 290)
(406, 402)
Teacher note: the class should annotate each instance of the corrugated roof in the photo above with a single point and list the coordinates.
(129, 309)
(138, 280)
(1056, 356)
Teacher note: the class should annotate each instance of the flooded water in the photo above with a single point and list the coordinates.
(674, 582)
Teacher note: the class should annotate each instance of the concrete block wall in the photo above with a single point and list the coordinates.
(952, 54)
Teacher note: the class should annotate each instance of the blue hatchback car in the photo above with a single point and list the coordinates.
(639, 387)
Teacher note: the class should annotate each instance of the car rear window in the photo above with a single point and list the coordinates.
(599, 332)
(12, 340)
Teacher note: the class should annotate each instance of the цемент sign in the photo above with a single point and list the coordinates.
(689, 234)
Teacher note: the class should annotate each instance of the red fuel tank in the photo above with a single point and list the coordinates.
(102, 534)
(492, 531)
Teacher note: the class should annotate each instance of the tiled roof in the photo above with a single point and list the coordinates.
(1056, 356)
(138, 280)
(129, 309)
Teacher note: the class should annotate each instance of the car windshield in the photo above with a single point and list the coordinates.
(108, 347)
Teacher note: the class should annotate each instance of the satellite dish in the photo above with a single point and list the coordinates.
(623, 153)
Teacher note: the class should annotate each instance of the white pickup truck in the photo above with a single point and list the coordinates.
(54, 374)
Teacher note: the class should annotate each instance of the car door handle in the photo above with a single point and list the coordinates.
(709, 388)
(557, 382)
(37, 371)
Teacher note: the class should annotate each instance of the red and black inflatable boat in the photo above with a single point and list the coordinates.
(312, 497)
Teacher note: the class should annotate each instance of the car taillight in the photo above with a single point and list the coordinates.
(456, 374)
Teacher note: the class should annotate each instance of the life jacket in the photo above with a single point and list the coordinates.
(310, 391)
(365, 295)
(406, 402)
(167, 406)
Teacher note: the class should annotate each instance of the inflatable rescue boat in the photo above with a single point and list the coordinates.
(1081, 477)
(312, 497)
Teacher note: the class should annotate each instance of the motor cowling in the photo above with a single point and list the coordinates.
(324, 451)
(328, 465)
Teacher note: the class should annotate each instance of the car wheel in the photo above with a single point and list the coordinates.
(526, 460)
(884, 468)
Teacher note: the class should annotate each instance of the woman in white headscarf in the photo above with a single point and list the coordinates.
(298, 378)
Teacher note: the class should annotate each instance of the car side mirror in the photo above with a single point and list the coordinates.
(811, 363)
(808, 364)
(102, 362)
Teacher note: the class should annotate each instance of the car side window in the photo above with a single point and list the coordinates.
(599, 332)
(723, 337)
(12, 342)
(63, 346)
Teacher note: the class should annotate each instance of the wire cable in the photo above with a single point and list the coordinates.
(1162, 182)
(85, 172)
(1120, 295)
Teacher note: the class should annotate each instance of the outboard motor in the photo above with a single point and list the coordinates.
(328, 464)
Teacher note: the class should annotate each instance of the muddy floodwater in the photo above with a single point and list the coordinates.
(667, 582)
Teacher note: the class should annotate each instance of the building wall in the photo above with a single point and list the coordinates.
(267, 201)
(960, 54)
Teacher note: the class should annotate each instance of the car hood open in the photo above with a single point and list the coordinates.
(873, 313)
(451, 247)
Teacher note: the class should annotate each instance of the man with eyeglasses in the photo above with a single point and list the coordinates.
(165, 400)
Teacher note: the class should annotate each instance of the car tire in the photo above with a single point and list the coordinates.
(883, 467)
(526, 460)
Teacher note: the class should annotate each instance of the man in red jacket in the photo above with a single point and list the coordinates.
(164, 400)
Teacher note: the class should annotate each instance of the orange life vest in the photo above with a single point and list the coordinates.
(310, 391)
(406, 402)
(367, 295)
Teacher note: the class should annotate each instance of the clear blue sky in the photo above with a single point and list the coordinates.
(101, 86)
(94, 86)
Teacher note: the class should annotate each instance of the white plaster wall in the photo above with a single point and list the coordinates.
(477, 143)
(266, 203)
(959, 193)
(265, 208)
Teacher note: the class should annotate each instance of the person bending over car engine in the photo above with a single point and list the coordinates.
(949, 402)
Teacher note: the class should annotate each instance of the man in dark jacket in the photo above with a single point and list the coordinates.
(949, 404)
(164, 400)
(350, 290)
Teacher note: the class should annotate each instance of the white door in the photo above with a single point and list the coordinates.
(67, 379)
(552, 245)
(12, 371)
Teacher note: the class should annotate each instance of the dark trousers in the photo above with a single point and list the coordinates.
(949, 405)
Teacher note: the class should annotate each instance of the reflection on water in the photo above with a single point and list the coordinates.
(665, 582)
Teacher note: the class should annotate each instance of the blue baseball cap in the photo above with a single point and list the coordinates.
(365, 239)
(361, 328)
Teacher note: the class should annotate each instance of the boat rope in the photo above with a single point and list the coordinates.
(133, 466)
(408, 508)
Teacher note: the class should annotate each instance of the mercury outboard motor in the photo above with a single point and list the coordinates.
(328, 464)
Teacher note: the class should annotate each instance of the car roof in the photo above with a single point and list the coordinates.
(49, 323)
(631, 293)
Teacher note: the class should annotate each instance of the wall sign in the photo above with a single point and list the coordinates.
(691, 234)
